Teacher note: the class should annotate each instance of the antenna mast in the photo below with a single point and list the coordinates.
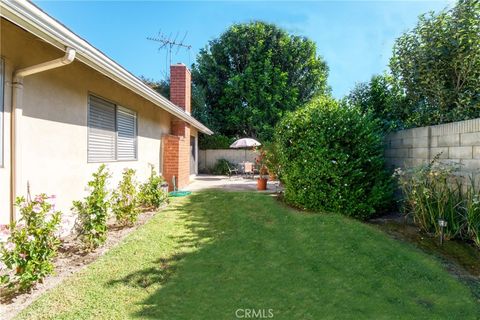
(169, 43)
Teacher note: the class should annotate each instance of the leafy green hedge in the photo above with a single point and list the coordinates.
(332, 159)
(215, 141)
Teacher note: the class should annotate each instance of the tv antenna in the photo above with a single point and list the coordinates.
(169, 43)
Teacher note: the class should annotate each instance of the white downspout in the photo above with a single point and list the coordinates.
(16, 115)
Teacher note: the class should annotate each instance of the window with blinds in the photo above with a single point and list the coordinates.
(112, 132)
(126, 134)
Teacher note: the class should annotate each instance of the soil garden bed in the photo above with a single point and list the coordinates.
(70, 259)
(461, 259)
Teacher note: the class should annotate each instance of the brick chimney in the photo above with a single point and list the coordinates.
(176, 145)
(181, 86)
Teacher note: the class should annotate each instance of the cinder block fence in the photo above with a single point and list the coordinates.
(208, 158)
(455, 142)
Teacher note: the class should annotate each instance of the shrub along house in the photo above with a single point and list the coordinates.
(67, 108)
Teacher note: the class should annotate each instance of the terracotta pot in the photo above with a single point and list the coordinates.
(262, 184)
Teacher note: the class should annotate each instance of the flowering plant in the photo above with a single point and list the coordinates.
(261, 163)
(125, 199)
(442, 191)
(271, 158)
(32, 243)
(92, 213)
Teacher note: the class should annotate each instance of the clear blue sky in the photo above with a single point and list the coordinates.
(354, 37)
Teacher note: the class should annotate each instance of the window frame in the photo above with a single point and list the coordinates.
(116, 106)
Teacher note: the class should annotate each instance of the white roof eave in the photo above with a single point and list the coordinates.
(34, 20)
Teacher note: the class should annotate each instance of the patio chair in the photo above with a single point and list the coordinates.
(232, 170)
(249, 169)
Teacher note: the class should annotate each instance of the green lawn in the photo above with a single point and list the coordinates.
(214, 252)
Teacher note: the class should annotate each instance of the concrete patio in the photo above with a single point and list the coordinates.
(234, 183)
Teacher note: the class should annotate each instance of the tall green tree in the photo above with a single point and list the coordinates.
(383, 97)
(160, 86)
(438, 64)
(198, 97)
(253, 74)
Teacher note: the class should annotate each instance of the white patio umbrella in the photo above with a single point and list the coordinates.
(245, 143)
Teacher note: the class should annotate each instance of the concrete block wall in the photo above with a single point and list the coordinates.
(457, 142)
(208, 158)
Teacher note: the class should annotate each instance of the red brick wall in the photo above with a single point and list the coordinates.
(180, 86)
(176, 159)
(170, 158)
(179, 128)
(184, 162)
(176, 151)
(182, 130)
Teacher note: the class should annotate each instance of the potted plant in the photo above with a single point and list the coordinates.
(262, 169)
(271, 160)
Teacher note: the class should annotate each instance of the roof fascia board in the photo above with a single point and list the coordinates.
(29, 17)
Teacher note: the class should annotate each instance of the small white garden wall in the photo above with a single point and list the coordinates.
(208, 158)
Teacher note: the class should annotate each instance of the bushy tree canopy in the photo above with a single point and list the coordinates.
(383, 98)
(252, 74)
(438, 65)
(331, 159)
(198, 97)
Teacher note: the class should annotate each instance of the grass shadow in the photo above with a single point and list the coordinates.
(150, 276)
(243, 250)
(198, 232)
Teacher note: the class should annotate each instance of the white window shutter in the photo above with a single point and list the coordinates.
(126, 134)
(101, 130)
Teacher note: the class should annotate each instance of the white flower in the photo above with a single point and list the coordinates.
(58, 233)
(4, 236)
(30, 238)
(49, 216)
(10, 246)
(398, 172)
(37, 208)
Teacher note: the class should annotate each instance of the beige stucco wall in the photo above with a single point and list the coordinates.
(5, 169)
(53, 127)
